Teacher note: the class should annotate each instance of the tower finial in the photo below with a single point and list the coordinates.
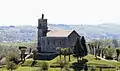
(42, 16)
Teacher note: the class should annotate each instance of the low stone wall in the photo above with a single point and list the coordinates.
(45, 56)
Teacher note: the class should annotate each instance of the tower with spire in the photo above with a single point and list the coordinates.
(42, 31)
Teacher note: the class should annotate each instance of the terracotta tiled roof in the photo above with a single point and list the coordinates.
(58, 33)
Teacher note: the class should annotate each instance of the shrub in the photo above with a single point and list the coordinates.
(109, 53)
(61, 63)
(44, 66)
(66, 68)
(93, 68)
(11, 61)
(11, 66)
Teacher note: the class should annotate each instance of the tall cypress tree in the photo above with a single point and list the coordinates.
(83, 43)
(78, 50)
(75, 50)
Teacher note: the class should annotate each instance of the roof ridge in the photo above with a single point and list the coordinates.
(59, 33)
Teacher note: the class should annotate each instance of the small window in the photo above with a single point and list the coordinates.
(48, 43)
(60, 43)
(54, 42)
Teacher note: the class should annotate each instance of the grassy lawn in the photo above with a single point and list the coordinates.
(30, 69)
(50, 69)
(90, 58)
(92, 61)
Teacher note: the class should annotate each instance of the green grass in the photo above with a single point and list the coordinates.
(90, 58)
(30, 69)
(50, 69)
(21, 69)
(92, 61)
(28, 62)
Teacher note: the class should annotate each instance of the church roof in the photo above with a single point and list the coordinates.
(59, 33)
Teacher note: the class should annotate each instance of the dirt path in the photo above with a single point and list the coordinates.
(106, 59)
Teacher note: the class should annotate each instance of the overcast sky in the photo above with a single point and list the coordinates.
(26, 12)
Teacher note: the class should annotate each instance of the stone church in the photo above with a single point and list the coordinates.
(49, 40)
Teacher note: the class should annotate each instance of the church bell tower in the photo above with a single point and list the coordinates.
(42, 31)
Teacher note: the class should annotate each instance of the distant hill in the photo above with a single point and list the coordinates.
(92, 31)
(28, 33)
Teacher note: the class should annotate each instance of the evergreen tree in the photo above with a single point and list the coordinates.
(118, 53)
(83, 42)
(78, 50)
